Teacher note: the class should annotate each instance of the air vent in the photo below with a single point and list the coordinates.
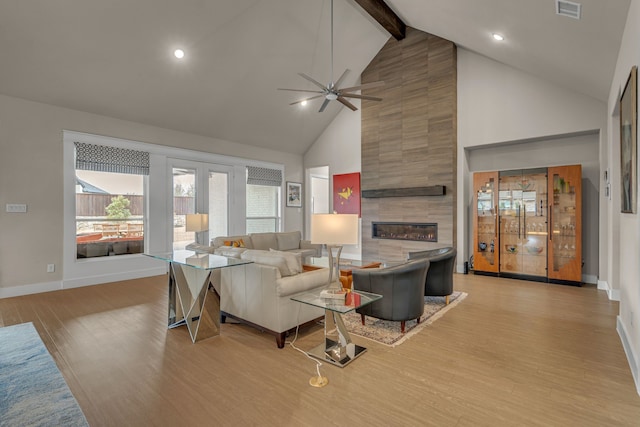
(568, 9)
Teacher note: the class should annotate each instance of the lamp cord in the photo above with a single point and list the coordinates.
(291, 343)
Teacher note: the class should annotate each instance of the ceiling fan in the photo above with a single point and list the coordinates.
(332, 91)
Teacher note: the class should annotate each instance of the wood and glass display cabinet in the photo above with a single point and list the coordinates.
(565, 216)
(522, 206)
(527, 224)
(485, 222)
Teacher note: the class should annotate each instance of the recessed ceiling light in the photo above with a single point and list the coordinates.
(498, 37)
(303, 103)
(178, 53)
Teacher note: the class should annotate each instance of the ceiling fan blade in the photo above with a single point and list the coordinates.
(353, 95)
(347, 103)
(306, 99)
(304, 76)
(364, 86)
(323, 106)
(337, 83)
(302, 90)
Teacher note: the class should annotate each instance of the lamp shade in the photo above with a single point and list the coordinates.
(334, 229)
(197, 222)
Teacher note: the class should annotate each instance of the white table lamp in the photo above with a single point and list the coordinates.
(197, 223)
(334, 230)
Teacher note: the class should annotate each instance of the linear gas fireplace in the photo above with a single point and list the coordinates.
(424, 232)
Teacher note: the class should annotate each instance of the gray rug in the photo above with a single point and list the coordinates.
(33, 392)
(389, 333)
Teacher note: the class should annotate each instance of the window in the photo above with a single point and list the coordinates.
(263, 199)
(109, 200)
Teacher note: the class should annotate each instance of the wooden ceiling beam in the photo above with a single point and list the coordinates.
(386, 17)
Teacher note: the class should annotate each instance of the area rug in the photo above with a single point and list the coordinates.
(33, 392)
(388, 333)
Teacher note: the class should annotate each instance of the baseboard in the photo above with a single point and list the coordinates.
(113, 277)
(613, 294)
(36, 288)
(632, 358)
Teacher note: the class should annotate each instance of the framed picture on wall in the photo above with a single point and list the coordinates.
(346, 193)
(628, 144)
(294, 194)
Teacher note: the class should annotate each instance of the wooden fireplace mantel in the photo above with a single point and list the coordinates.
(433, 190)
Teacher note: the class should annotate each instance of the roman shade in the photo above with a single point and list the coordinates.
(104, 158)
(264, 176)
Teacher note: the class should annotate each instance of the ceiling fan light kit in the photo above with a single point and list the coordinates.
(332, 91)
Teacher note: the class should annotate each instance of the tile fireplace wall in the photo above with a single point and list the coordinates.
(409, 140)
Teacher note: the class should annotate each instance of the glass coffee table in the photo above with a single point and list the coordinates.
(337, 349)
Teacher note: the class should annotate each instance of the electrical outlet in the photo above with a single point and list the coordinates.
(16, 208)
(51, 268)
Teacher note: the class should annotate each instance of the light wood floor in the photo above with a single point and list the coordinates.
(512, 353)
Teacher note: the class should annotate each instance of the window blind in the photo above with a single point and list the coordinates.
(103, 158)
(264, 176)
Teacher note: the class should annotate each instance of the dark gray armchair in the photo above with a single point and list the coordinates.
(440, 276)
(401, 287)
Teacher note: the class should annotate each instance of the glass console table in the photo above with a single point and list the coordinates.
(337, 349)
(192, 299)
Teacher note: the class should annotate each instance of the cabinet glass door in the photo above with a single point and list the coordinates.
(565, 242)
(522, 201)
(485, 222)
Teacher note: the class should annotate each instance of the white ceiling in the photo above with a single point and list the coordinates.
(115, 58)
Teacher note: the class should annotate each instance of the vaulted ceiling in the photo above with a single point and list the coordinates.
(115, 58)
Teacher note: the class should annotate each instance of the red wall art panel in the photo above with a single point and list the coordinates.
(346, 193)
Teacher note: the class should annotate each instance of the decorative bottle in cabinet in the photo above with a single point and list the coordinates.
(485, 239)
(565, 215)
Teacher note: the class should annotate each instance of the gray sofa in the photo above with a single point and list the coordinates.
(289, 241)
(440, 276)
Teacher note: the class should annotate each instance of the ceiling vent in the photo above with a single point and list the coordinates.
(568, 8)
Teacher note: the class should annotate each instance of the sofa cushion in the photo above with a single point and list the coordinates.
(268, 258)
(294, 260)
(264, 241)
(229, 251)
(196, 247)
(304, 253)
(308, 280)
(288, 240)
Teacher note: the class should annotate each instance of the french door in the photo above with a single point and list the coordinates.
(202, 188)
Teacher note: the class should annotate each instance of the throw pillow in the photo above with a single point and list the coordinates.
(235, 243)
(293, 260)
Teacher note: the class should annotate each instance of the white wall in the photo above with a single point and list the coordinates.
(339, 148)
(31, 172)
(500, 104)
(625, 228)
(579, 149)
